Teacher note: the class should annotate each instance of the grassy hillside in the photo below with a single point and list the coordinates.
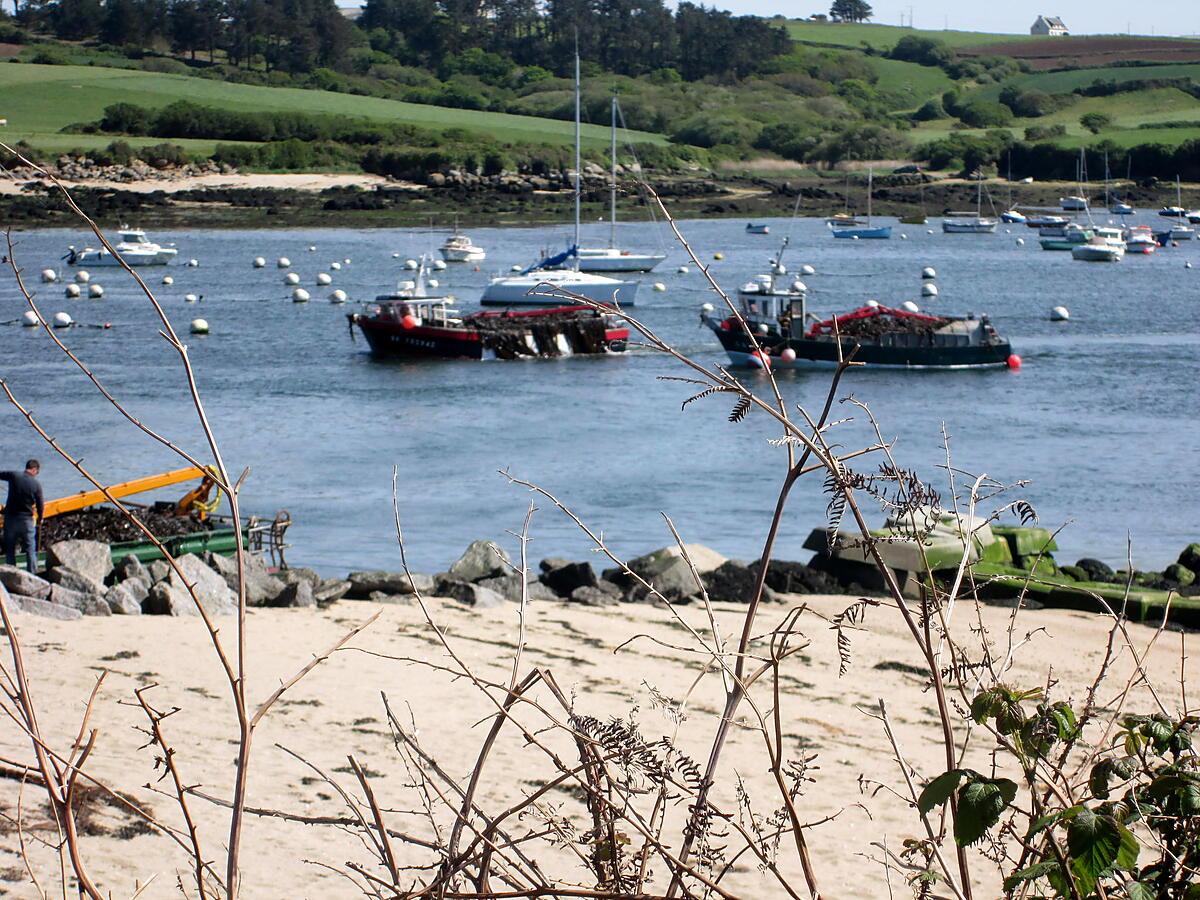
(40, 100)
(908, 82)
(883, 37)
(1064, 82)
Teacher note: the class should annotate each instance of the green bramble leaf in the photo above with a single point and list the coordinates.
(1097, 844)
(1030, 873)
(1139, 891)
(939, 790)
(981, 802)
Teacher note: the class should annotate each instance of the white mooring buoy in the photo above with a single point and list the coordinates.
(323, 278)
(62, 320)
(49, 276)
(346, 261)
(1059, 314)
(167, 279)
(335, 266)
(283, 262)
(807, 270)
(312, 248)
(291, 278)
(199, 326)
(929, 273)
(29, 318)
(338, 296)
(929, 290)
(190, 298)
(82, 277)
(1020, 242)
(910, 306)
(192, 263)
(410, 264)
(683, 270)
(799, 287)
(95, 291)
(439, 265)
(259, 262)
(659, 287)
(71, 291)
(707, 307)
(300, 295)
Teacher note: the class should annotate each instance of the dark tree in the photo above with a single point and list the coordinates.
(851, 10)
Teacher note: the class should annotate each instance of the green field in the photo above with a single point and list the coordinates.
(1128, 112)
(884, 37)
(1067, 81)
(910, 83)
(40, 100)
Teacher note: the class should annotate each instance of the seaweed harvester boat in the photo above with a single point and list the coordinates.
(427, 327)
(876, 335)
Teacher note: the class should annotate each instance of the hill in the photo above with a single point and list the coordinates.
(882, 37)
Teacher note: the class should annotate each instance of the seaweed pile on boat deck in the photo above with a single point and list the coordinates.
(110, 526)
(585, 333)
(877, 326)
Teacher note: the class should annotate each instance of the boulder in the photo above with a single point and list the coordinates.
(76, 581)
(734, 582)
(676, 581)
(1179, 574)
(139, 588)
(95, 605)
(90, 558)
(288, 576)
(565, 579)
(1190, 557)
(131, 567)
(211, 590)
(509, 587)
(262, 588)
(471, 594)
(38, 607)
(391, 599)
(796, 578)
(363, 584)
(122, 601)
(482, 559)
(1075, 573)
(165, 599)
(64, 596)
(705, 559)
(158, 570)
(1096, 570)
(24, 582)
(591, 595)
(330, 591)
(553, 562)
(298, 594)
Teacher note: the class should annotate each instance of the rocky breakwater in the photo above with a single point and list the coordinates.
(82, 168)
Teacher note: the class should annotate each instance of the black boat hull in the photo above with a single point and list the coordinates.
(387, 340)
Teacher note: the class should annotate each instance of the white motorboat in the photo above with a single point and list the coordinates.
(1099, 249)
(1073, 204)
(1140, 239)
(1013, 217)
(1182, 232)
(458, 247)
(612, 258)
(530, 287)
(1121, 208)
(1173, 212)
(751, 228)
(134, 247)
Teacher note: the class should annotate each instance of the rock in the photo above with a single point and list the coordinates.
(297, 594)
(158, 570)
(1096, 570)
(66, 597)
(1190, 557)
(565, 579)
(1076, 573)
(676, 581)
(76, 581)
(553, 562)
(165, 599)
(211, 590)
(288, 576)
(590, 595)
(509, 587)
(121, 599)
(705, 559)
(330, 591)
(138, 587)
(262, 588)
(362, 584)
(734, 582)
(94, 605)
(471, 594)
(131, 567)
(482, 559)
(796, 578)
(90, 558)
(1179, 574)
(24, 582)
(38, 607)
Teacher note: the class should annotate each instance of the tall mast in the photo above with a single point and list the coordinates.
(612, 212)
(870, 186)
(578, 156)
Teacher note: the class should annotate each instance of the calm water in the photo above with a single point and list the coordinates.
(1101, 421)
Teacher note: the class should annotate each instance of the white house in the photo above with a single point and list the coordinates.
(1051, 25)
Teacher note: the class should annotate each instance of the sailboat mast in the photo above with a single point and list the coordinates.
(612, 200)
(578, 158)
(870, 190)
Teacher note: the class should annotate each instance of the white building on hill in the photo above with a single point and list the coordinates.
(1051, 25)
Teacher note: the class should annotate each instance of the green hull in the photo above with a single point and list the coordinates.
(220, 540)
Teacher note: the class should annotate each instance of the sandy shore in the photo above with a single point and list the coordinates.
(303, 181)
(338, 711)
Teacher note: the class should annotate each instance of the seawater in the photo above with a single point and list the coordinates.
(1100, 422)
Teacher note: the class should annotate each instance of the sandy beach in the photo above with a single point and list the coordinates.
(338, 711)
(294, 181)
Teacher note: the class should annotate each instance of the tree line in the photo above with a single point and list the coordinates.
(629, 37)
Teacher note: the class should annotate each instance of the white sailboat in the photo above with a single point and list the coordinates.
(528, 288)
(1182, 232)
(612, 258)
(956, 223)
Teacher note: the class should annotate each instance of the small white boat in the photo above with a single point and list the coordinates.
(1012, 217)
(1073, 204)
(134, 247)
(458, 247)
(1046, 221)
(1193, 216)
(751, 228)
(969, 224)
(1140, 239)
(1173, 212)
(1120, 208)
(614, 259)
(1182, 233)
(1099, 249)
(531, 288)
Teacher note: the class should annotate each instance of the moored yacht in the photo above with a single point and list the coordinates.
(134, 247)
(459, 248)
(1099, 249)
(1140, 239)
(1073, 204)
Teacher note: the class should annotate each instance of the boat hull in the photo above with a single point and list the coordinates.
(882, 233)
(463, 256)
(102, 258)
(1088, 253)
(516, 292)
(619, 262)
(951, 227)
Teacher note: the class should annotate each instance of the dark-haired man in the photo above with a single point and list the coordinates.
(24, 500)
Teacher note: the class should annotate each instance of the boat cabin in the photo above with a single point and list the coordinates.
(133, 236)
(431, 311)
(782, 315)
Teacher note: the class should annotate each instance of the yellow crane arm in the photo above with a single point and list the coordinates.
(84, 499)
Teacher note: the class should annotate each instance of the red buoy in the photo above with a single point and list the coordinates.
(725, 325)
(1014, 362)
(408, 321)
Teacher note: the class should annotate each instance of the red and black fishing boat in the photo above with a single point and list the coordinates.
(408, 323)
(877, 335)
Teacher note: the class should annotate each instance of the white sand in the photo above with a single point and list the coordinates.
(303, 181)
(338, 711)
